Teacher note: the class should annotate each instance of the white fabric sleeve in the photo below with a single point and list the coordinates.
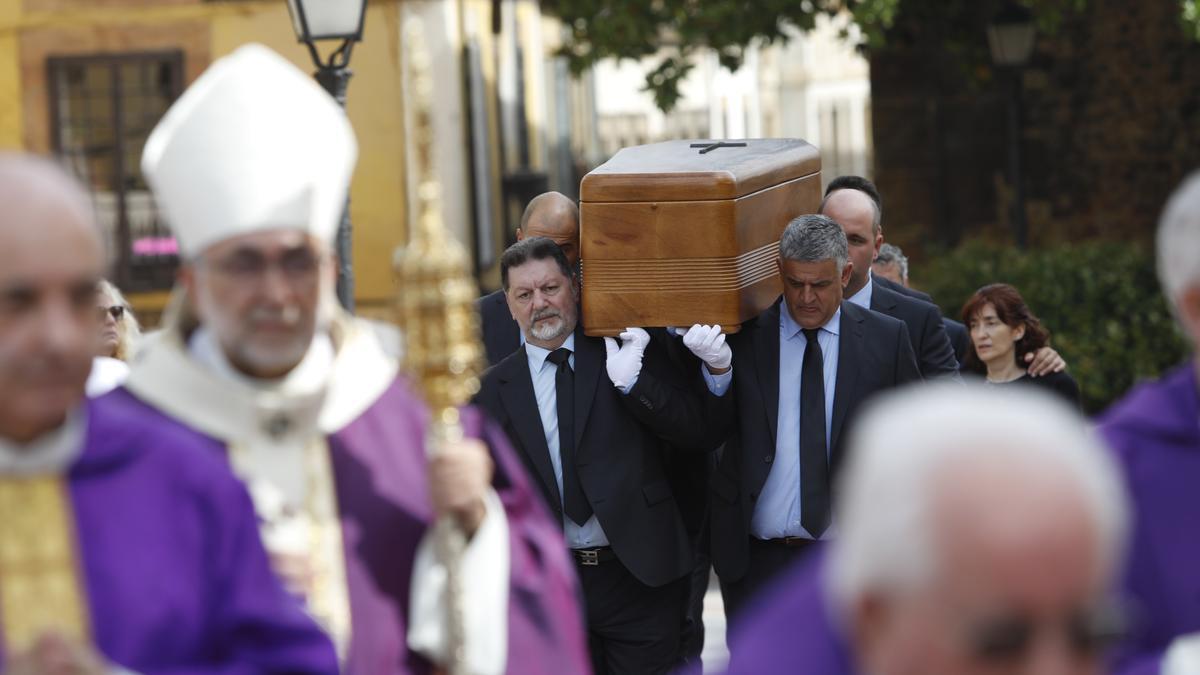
(717, 384)
(1182, 656)
(484, 576)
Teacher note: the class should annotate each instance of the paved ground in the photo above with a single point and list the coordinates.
(715, 655)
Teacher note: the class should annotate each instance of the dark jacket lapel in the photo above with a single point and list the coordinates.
(589, 362)
(851, 343)
(516, 394)
(766, 359)
(883, 299)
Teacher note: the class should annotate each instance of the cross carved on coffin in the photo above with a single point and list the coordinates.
(709, 147)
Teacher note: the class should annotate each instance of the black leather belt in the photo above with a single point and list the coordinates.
(592, 557)
(793, 542)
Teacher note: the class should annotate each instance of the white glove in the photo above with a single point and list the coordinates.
(1182, 656)
(625, 363)
(708, 344)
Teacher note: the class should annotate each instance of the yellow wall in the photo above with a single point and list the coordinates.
(375, 102)
(10, 76)
(377, 199)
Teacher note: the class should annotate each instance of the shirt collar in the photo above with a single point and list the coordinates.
(863, 297)
(788, 328)
(537, 355)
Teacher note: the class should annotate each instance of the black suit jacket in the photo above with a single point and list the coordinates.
(902, 290)
(621, 445)
(874, 354)
(959, 338)
(931, 344)
(501, 334)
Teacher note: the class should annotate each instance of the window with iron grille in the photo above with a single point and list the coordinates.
(102, 109)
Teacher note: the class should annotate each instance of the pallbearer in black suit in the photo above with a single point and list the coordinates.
(552, 215)
(801, 369)
(592, 419)
(890, 270)
(855, 211)
(1041, 362)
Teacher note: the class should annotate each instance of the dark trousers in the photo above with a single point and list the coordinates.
(632, 628)
(767, 560)
(692, 641)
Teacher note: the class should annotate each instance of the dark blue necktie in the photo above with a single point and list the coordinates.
(814, 458)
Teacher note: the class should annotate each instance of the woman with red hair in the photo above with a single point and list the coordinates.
(1002, 328)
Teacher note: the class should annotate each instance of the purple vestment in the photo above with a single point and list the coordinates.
(176, 579)
(1155, 433)
(379, 465)
(787, 629)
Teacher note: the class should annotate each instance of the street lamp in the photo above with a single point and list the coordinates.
(319, 20)
(1010, 39)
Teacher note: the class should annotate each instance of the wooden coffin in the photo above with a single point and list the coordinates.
(672, 234)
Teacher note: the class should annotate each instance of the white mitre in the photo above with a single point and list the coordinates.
(254, 144)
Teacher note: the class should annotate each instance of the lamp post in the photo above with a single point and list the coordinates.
(322, 20)
(1010, 39)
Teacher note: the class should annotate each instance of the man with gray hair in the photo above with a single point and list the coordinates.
(891, 264)
(1156, 437)
(803, 367)
(982, 531)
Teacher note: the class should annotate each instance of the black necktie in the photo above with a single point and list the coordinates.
(814, 460)
(574, 501)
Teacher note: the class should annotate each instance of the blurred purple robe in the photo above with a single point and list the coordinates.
(1155, 433)
(176, 579)
(788, 628)
(379, 465)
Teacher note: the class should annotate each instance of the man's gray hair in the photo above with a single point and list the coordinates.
(814, 238)
(904, 444)
(890, 253)
(1179, 240)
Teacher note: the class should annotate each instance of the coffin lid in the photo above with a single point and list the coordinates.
(675, 171)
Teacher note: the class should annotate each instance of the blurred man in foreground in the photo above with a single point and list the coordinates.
(125, 543)
(1156, 434)
(1003, 531)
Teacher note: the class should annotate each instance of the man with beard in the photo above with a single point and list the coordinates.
(552, 215)
(593, 420)
(125, 542)
(311, 409)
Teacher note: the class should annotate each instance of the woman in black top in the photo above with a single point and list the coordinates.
(1001, 328)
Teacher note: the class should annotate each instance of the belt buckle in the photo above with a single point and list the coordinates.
(588, 557)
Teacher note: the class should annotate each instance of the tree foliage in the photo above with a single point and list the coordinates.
(672, 32)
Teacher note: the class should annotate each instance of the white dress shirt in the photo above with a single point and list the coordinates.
(777, 511)
(543, 372)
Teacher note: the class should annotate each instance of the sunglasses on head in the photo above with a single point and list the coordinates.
(1087, 632)
(115, 311)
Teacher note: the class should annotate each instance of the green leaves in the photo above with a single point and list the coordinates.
(1100, 301)
(672, 31)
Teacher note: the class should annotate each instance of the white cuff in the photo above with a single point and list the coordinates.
(625, 389)
(484, 575)
(717, 384)
(1182, 656)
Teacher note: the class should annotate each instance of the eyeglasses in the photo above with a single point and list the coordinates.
(1008, 639)
(297, 265)
(117, 312)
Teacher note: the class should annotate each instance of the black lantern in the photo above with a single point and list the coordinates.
(314, 21)
(1010, 38)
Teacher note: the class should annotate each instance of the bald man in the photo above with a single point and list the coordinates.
(552, 215)
(128, 544)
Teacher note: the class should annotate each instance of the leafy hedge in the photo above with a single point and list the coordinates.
(1101, 302)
